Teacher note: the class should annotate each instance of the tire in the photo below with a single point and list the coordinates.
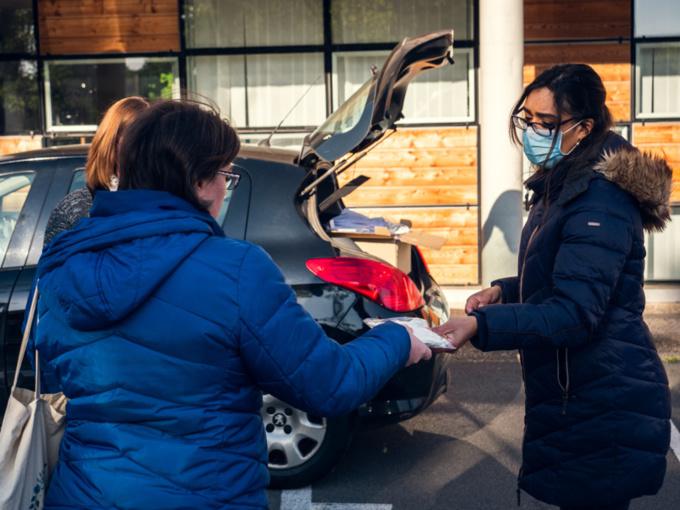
(303, 448)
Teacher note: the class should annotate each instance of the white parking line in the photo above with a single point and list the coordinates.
(675, 440)
(301, 499)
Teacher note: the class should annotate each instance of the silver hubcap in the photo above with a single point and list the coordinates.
(293, 436)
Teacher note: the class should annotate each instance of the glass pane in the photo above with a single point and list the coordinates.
(16, 26)
(19, 100)
(657, 18)
(225, 207)
(78, 180)
(14, 189)
(234, 23)
(658, 90)
(79, 92)
(663, 262)
(258, 90)
(291, 141)
(438, 95)
(369, 21)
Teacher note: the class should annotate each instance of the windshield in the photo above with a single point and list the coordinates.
(350, 112)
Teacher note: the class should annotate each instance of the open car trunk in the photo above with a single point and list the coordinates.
(357, 126)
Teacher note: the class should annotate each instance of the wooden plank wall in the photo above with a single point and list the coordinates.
(576, 19)
(571, 26)
(12, 144)
(662, 139)
(610, 61)
(428, 176)
(106, 26)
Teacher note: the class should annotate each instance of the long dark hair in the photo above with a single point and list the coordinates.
(580, 94)
(173, 145)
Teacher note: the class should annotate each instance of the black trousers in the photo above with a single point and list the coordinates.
(620, 506)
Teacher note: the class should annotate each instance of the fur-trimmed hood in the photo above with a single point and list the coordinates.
(645, 176)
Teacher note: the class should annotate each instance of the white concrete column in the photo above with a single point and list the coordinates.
(501, 55)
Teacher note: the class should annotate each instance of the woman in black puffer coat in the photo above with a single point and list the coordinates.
(597, 424)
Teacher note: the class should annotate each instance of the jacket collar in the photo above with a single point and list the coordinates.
(646, 177)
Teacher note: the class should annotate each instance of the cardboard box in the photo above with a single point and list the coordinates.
(395, 250)
(389, 249)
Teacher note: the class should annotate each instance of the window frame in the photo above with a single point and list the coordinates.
(20, 241)
(421, 121)
(328, 49)
(637, 103)
(91, 128)
(649, 259)
(36, 57)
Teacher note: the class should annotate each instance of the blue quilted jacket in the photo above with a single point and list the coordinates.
(597, 400)
(163, 334)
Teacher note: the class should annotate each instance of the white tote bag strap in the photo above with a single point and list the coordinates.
(24, 344)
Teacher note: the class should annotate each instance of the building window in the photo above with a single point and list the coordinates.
(78, 92)
(236, 24)
(16, 27)
(663, 264)
(387, 21)
(19, 103)
(258, 90)
(658, 80)
(437, 96)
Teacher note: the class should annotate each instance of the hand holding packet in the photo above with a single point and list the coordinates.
(420, 329)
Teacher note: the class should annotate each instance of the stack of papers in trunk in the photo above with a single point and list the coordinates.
(352, 221)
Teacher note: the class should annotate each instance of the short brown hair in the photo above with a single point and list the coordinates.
(102, 158)
(175, 144)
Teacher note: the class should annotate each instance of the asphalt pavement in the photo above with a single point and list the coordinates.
(464, 451)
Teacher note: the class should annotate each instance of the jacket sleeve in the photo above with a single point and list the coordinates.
(290, 356)
(593, 249)
(509, 289)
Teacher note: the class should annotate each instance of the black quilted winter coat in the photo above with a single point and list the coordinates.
(597, 400)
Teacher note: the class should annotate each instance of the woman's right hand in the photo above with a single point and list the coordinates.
(488, 296)
(419, 351)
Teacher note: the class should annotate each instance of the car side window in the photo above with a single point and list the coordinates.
(234, 212)
(14, 190)
(225, 207)
(78, 180)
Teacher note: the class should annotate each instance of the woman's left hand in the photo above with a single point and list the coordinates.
(458, 330)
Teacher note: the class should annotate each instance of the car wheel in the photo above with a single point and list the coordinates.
(302, 447)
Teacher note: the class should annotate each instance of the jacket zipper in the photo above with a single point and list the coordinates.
(524, 263)
(563, 371)
(521, 352)
(521, 290)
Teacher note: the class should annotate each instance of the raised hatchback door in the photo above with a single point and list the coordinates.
(374, 109)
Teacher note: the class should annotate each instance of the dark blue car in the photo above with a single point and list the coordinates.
(283, 203)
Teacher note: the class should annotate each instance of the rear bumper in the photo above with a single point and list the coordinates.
(409, 392)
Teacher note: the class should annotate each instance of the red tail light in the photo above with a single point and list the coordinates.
(379, 282)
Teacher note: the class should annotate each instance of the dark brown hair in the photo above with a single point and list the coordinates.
(102, 157)
(173, 145)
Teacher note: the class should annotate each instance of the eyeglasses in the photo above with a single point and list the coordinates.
(540, 128)
(232, 179)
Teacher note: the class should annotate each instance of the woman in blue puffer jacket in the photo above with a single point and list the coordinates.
(597, 424)
(163, 334)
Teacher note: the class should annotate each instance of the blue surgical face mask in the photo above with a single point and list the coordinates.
(537, 147)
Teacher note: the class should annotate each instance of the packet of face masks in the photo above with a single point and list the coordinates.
(420, 329)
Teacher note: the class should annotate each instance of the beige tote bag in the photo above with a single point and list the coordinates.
(29, 438)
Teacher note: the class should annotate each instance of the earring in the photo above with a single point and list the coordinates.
(113, 183)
